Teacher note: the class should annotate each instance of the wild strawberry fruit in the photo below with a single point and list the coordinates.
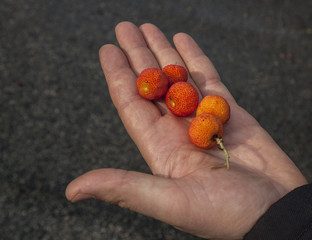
(175, 73)
(182, 99)
(206, 131)
(216, 105)
(152, 83)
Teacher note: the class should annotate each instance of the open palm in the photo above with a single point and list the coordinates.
(184, 191)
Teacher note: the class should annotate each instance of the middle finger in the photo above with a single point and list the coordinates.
(135, 48)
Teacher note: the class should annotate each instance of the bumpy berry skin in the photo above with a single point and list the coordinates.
(175, 73)
(204, 129)
(152, 83)
(216, 105)
(182, 99)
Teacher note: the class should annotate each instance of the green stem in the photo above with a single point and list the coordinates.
(220, 143)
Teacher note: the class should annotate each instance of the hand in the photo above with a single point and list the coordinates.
(184, 191)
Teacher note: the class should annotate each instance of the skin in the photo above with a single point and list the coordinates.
(183, 190)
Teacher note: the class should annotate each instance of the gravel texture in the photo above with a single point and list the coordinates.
(57, 120)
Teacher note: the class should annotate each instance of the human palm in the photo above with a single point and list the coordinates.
(184, 190)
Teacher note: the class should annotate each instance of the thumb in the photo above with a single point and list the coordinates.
(150, 195)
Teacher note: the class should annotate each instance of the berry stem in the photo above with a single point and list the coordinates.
(220, 143)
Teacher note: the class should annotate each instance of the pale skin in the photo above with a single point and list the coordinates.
(183, 190)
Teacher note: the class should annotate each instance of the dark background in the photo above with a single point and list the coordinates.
(57, 119)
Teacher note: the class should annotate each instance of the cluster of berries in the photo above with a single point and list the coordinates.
(182, 99)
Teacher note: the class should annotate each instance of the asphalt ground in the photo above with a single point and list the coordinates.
(57, 119)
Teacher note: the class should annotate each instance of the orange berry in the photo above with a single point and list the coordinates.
(204, 130)
(152, 83)
(175, 73)
(182, 99)
(216, 105)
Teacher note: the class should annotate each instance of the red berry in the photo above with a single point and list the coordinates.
(216, 105)
(175, 73)
(152, 83)
(182, 99)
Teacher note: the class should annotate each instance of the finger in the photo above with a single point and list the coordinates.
(139, 55)
(146, 194)
(160, 46)
(136, 113)
(200, 67)
(134, 46)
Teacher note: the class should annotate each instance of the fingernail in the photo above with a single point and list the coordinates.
(81, 197)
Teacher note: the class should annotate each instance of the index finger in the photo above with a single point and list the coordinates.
(121, 78)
